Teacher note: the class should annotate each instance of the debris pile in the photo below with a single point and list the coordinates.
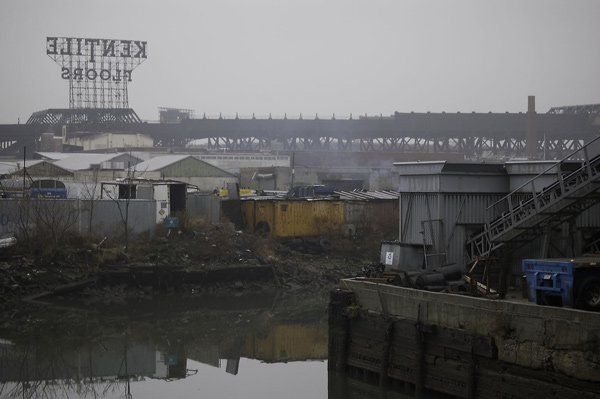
(444, 279)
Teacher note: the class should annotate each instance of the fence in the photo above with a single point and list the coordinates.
(104, 217)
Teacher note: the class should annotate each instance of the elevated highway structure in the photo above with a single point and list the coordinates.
(551, 135)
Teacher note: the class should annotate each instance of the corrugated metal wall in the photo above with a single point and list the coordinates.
(462, 215)
(295, 218)
(9, 217)
(590, 218)
(206, 206)
(379, 215)
(106, 217)
(465, 214)
(313, 218)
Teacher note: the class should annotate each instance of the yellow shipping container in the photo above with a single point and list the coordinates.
(243, 191)
(288, 342)
(294, 218)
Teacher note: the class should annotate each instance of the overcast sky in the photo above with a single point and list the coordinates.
(320, 57)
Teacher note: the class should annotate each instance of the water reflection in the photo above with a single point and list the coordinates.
(166, 346)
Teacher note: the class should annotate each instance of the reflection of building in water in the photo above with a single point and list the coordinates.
(287, 343)
(109, 360)
(266, 341)
(41, 361)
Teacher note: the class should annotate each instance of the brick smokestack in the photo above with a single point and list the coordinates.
(531, 129)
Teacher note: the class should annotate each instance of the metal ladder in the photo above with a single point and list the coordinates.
(521, 221)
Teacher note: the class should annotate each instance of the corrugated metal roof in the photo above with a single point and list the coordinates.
(157, 163)
(7, 167)
(77, 161)
(367, 195)
(449, 167)
(54, 156)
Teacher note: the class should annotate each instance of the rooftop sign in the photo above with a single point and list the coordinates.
(98, 69)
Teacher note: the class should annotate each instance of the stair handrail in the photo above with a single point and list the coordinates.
(487, 246)
(554, 166)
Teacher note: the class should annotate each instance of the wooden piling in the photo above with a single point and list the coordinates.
(339, 301)
(385, 355)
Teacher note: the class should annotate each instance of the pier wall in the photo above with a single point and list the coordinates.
(548, 345)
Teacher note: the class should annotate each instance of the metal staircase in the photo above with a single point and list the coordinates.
(517, 220)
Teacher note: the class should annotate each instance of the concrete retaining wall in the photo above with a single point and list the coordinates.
(537, 337)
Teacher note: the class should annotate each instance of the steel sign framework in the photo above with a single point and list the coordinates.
(98, 70)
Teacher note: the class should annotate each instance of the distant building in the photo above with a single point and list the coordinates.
(40, 169)
(345, 171)
(170, 196)
(184, 168)
(89, 141)
(81, 173)
(234, 162)
(174, 115)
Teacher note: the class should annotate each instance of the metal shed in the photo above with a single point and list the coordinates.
(443, 204)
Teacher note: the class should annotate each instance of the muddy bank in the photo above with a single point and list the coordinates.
(214, 259)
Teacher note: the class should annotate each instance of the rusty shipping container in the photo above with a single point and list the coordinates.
(310, 217)
(291, 218)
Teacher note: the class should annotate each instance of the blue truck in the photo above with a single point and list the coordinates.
(567, 282)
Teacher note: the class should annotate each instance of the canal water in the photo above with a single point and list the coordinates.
(259, 345)
(244, 345)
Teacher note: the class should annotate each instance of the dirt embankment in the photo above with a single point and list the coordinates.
(195, 259)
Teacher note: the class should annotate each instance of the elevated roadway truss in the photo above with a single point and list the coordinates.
(556, 134)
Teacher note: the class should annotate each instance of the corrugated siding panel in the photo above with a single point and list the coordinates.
(207, 207)
(462, 215)
(419, 184)
(413, 209)
(384, 216)
(296, 218)
(107, 218)
(373, 215)
(9, 217)
(468, 208)
(590, 218)
(258, 211)
(192, 167)
(472, 184)
(519, 182)
(310, 218)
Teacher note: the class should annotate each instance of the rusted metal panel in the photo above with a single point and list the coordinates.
(380, 215)
(289, 218)
(295, 218)
(308, 218)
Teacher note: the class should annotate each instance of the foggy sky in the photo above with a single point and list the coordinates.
(313, 57)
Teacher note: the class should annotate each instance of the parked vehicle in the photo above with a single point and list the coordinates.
(41, 188)
(564, 282)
